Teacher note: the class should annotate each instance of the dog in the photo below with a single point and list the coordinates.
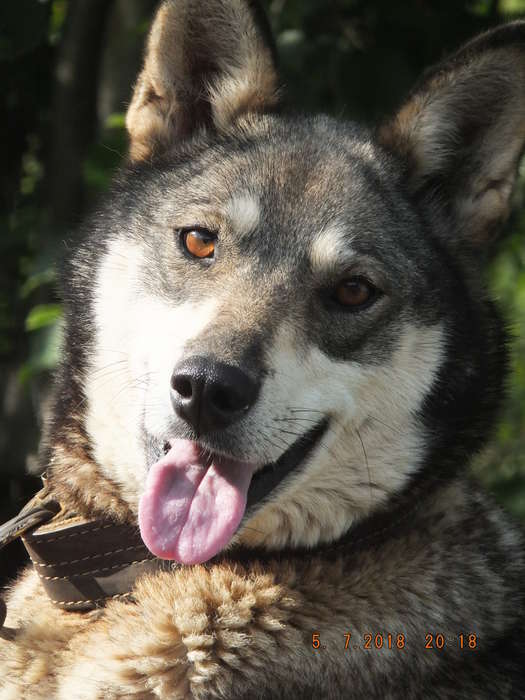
(279, 360)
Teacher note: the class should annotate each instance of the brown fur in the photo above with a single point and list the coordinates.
(71, 467)
(215, 631)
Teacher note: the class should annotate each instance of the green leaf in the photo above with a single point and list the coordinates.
(117, 120)
(45, 351)
(43, 315)
(512, 7)
(36, 280)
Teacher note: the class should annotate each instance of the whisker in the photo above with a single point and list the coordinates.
(366, 461)
(290, 432)
(396, 431)
(291, 418)
(268, 441)
(254, 529)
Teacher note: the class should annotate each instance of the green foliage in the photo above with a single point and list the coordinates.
(512, 7)
(45, 343)
(42, 316)
(56, 22)
(502, 466)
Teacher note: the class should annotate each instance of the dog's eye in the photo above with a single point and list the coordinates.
(355, 292)
(198, 242)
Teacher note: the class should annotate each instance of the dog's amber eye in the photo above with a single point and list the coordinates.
(199, 243)
(355, 292)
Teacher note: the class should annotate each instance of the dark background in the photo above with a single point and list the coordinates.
(66, 70)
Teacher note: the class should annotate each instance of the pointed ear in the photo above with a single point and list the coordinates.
(462, 132)
(206, 63)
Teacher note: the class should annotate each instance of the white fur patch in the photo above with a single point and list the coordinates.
(243, 211)
(139, 340)
(329, 246)
(374, 442)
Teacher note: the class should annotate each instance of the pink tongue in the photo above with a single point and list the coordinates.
(191, 509)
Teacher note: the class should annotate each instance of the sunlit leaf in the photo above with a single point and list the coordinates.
(117, 120)
(512, 7)
(43, 315)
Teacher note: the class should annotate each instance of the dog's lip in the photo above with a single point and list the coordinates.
(270, 475)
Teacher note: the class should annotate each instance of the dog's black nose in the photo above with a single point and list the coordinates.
(210, 395)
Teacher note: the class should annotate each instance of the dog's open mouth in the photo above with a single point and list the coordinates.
(194, 501)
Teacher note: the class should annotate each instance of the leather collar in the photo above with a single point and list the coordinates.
(81, 563)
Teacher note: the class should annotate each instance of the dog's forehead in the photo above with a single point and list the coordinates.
(312, 194)
(311, 180)
(296, 192)
(295, 183)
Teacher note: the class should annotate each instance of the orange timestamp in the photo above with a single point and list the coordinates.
(436, 641)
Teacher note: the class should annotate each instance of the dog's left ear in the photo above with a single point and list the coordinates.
(462, 132)
(207, 62)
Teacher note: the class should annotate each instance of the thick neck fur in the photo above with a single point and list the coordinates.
(426, 575)
(77, 481)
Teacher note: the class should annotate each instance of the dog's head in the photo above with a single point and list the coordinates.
(276, 322)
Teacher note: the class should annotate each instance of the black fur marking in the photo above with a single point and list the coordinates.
(271, 475)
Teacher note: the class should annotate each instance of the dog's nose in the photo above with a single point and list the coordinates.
(211, 395)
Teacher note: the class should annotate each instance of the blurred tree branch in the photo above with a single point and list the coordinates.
(74, 109)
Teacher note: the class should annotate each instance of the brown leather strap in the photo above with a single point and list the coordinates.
(37, 511)
(84, 563)
(81, 564)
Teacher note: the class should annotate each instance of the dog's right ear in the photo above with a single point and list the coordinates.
(206, 63)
